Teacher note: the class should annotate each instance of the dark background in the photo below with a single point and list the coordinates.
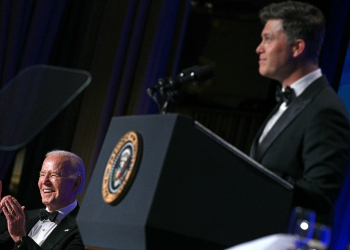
(221, 33)
(127, 46)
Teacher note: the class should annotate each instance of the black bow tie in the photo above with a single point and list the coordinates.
(44, 215)
(286, 96)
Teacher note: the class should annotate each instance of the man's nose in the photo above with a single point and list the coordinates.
(45, 178)
(259, 49)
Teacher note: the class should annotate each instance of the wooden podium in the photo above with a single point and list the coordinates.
(192, 191)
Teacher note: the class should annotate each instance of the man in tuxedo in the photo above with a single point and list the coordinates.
(61, 178)
(306, 138)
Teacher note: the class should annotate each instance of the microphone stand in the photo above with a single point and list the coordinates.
(166, 98)
(170, 87)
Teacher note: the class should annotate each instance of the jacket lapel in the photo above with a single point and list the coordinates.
(32, 217)
(62, 229)
(288, 116)
(255, 144)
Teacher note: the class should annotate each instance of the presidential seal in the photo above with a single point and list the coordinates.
(121, 168)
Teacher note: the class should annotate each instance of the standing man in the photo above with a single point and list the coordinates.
(306, 138)
(61, 178)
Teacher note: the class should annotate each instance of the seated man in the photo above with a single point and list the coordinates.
(61, 178)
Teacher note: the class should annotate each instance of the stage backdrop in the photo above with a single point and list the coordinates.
(341, 230)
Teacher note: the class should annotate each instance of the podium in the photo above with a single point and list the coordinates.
(192, 190)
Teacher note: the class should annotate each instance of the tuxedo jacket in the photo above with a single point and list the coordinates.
(65, 236)
(309, 147)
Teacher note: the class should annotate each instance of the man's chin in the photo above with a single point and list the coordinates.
(267, 74)
(46, 202)
(262, 72)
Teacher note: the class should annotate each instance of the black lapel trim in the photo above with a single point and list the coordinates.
(32, 217)
(290, 114)
(63, 228)
(255, 143)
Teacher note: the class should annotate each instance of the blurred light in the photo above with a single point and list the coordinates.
(304, 225)
(209, 5)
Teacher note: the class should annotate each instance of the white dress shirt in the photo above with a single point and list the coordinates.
(298, 87)
(42, 229)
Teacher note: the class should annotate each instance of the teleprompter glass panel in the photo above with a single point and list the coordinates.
(34, 97)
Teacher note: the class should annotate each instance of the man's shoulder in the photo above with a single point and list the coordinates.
(322, 94)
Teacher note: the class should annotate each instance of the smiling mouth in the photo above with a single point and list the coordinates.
(47, 191)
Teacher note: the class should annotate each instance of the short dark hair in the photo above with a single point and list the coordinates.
(300, 21)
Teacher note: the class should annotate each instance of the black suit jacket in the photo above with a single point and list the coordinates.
(309, 147)
(65, 236)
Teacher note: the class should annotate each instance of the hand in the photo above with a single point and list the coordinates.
(2, 201)
(14, 213)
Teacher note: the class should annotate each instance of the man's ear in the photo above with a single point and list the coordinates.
(77, 183)
(298, 47)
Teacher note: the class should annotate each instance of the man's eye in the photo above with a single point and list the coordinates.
(266, 38)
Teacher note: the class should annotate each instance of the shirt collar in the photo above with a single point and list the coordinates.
(62, 212)
(300, 85)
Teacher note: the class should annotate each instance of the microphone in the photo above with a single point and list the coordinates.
(192, 75)
(195, 75)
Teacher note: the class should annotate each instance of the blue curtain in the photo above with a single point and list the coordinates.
(149, 38)
(335, 65)
(157, 64)
(139, 64)
(341, 228)
(119, 42)
(27, 34)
